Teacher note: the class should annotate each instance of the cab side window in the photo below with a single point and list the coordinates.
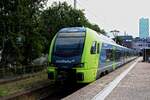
(93, 48)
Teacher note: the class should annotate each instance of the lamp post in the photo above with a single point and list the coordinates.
(75, 4)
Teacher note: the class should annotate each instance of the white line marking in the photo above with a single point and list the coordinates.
(108, 89)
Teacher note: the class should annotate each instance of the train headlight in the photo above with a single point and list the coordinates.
(80, 65)
(51, 65)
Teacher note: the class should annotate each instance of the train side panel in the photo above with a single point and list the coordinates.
(90, 61)
(51, 70)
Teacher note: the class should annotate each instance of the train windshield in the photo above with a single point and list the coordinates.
(69, 44)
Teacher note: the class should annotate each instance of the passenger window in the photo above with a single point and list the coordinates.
(109, 54)
(98, 48)
(93, 48)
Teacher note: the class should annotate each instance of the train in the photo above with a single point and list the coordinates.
(83, 55)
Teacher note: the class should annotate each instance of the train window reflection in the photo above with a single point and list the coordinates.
(93, 48)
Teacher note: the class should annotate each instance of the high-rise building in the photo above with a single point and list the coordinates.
(143, 27)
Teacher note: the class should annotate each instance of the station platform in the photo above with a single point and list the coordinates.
(134, 85)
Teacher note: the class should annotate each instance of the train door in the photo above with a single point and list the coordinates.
(94, 55)
(106, 57)
(102, 58)
(114, 60)
(118, 56)
(98, 52)
(109, 55)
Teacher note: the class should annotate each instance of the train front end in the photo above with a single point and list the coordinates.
(65, 55)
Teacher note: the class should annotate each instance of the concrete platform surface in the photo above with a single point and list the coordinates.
(91, 90)
(135, 86)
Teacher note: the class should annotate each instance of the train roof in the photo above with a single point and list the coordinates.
(102, 37)
(108, 40)
(72, 29)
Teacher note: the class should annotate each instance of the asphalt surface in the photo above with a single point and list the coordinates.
(135, 86)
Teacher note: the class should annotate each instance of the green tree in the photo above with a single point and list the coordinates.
(19, 20)
(61, 15)
(118, 40)
(27, 30)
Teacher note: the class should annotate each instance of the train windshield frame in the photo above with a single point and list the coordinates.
(69, 44)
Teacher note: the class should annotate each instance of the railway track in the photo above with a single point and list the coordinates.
(2, 81)
(12, 78)
(45, 92)
(64, 91)
(51, 91)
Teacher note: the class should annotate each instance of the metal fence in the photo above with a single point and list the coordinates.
(8, 72)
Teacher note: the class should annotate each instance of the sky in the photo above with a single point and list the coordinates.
(122, 15)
